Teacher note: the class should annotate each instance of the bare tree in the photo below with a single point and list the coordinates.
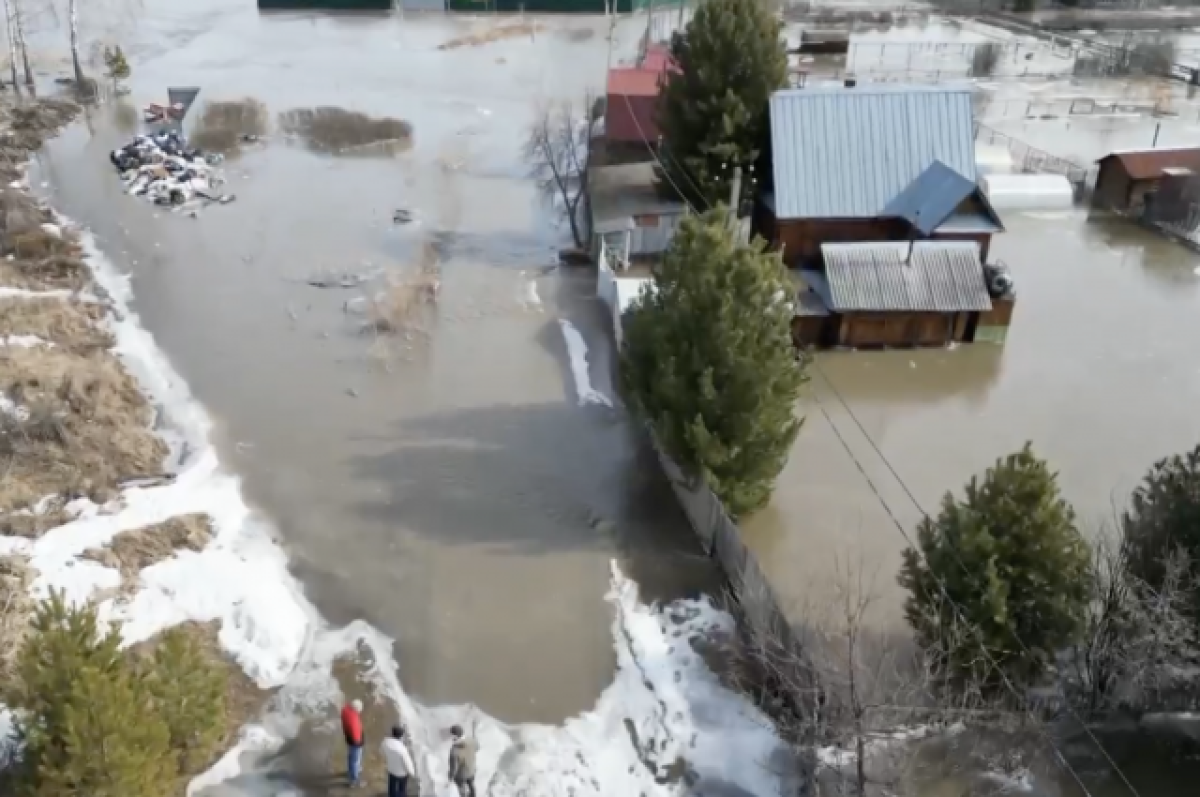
(10, 27)
(1141, 651)
(860, 698)
(558, 149)
(73, 26)
(22, 46)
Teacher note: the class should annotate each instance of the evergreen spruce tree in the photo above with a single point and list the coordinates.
(189, 690)
(79, 702)
(1164, 516)
(116, 745)
(114, 61)
(713, 112)
(708, 360)
(1009, 557)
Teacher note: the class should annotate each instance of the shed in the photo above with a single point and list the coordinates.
(1127, 177)
(628, 212)
(632, 101)
(928, 293)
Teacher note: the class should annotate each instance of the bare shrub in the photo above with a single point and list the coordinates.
(16, 607)
(338, 131)
(1141, 650)
(224, 124)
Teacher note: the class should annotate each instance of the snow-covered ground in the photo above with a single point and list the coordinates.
(664, 709)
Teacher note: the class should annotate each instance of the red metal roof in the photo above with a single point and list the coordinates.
(1149, 163)
(633, 82)
(658, 59)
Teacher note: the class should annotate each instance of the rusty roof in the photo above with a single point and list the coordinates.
(1149, 163)
(633, 82)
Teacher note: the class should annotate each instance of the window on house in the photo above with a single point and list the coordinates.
(649, 220)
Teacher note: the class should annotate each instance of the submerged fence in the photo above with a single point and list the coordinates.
(773, 638)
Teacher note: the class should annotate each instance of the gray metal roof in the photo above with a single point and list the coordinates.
(931, 198)
(941, 276)
(847, 152)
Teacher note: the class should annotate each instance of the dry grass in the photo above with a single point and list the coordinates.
(134, 550)
(82, 428)
(338, 131)
(401, 307)
(16, 607)
(73, 325)
(244, 701)
(25, 126)
(479, 38)
(41, 259)
(223, 124)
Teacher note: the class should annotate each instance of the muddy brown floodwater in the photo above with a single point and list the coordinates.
(452, 493)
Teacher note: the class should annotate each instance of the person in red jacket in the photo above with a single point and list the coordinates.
(352, 729)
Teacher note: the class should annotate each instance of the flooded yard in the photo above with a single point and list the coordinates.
(442, 484)
(1099, 371)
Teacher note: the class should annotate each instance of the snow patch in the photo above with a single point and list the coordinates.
(25, 341)
(577, 351)
(663, 692)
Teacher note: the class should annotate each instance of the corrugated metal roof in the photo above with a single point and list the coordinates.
(1149, 163)
(931, 198)
(634, 82)
(846, 152)
(942, 276)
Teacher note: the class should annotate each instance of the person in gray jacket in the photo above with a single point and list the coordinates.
(462, 762)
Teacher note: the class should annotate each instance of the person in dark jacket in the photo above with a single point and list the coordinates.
(352, 729)
(462, 762)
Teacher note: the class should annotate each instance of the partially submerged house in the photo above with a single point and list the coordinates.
(927, 293)
(629, 214)
(1126, 179)
(875, 199)
(872, 163)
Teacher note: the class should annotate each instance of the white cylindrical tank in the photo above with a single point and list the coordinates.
(993, 159)
(1028, 191)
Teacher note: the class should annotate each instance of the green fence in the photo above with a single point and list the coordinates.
(545, 6)
(325, 5)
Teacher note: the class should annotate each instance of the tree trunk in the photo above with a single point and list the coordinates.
(19, 18)
(73, 17)
(22, 45)
(12, 44)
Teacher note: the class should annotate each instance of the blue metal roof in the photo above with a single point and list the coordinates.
(931, 198)
(847, 152)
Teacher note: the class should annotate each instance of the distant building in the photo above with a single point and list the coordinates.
(872, 163)
(1127, 178)
(325, 5)
(631, 110)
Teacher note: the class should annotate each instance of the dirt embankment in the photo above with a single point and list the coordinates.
(73, 422)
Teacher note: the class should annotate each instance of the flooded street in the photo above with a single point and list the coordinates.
(451, 492)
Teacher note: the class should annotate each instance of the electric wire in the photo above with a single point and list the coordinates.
(908, 492)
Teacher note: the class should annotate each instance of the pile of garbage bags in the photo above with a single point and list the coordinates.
(164, 169)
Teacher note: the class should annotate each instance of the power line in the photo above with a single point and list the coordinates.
(954, 552)
(957, 609)
(654, 155)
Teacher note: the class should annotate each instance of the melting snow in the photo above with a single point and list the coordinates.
(664, 707)
(577, 352)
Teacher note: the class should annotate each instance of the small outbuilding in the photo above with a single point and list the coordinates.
(628, 212)
(891, 294)
(1127, 178)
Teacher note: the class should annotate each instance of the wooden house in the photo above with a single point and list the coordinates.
(1125, 179)
(872, 163)
(892, 294)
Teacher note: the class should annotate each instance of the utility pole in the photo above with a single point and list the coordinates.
(735, 197)
(682, 5)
